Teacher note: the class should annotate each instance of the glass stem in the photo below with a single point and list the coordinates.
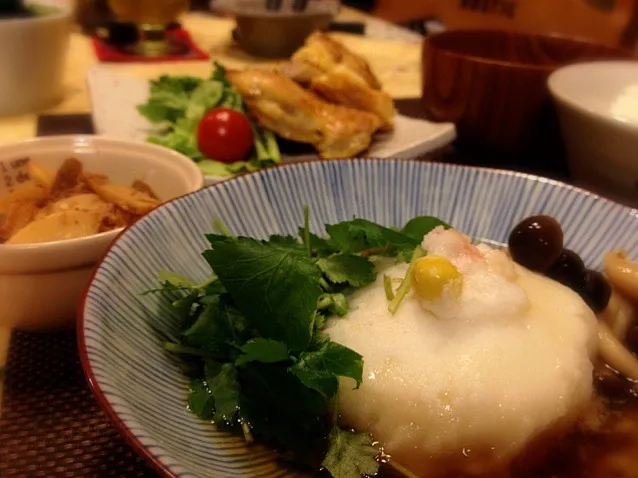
(153, 40)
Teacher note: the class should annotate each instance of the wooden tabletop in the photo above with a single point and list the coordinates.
(394, 54)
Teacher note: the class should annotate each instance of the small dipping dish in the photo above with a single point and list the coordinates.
(275, 33)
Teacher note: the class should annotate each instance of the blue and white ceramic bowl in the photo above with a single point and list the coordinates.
(142, 388)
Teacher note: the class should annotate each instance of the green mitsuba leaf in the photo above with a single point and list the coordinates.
(200, 400)
(168, 278)
(351, 455)
(222, 382)
(219, 328)
(319, 369)
(419, 226)
(332, 304)
(281, 409)
(263, 350)
(360, 234)
(275, 287)
(320, 246)
(350, 269)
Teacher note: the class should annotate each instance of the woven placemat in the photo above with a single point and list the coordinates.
(51, 426)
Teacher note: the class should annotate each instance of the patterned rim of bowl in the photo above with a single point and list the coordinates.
(157, 459)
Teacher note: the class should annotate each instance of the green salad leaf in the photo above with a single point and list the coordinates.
(176, 105)
(252, 336)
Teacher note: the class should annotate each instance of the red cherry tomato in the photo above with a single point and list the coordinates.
(225, 135)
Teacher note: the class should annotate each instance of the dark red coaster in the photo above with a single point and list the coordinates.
(108, 52)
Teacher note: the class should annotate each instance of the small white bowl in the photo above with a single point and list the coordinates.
(602, 142)
(41, 284)
(32, 58)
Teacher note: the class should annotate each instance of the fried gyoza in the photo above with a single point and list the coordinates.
(281, 105)
(68, 204)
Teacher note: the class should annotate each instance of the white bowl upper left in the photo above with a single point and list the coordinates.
(41, 284)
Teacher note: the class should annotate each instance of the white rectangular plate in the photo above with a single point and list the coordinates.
(114, 97)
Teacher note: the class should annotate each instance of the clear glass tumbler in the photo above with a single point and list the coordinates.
(151, 18)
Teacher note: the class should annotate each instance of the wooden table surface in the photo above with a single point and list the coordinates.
(394, 54)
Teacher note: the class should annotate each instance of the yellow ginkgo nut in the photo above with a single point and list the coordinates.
(433, 275)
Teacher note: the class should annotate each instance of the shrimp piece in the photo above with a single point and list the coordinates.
(455, 247)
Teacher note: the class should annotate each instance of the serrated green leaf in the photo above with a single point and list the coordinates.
(167, 277)
(220, 328)
(350, 455)
(319, 369)
(321, 247)
(419, 226)
(323, 382)
(216, 238)
(200, 400)
(185, 305)
(281, 409)
(333, 304)
(360, 234)
(287, 241)
(354, 270)
(263, 350)
(320, 321)
(221, 380)
(275, 287)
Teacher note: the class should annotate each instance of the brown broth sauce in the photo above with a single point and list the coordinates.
(604, 445)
